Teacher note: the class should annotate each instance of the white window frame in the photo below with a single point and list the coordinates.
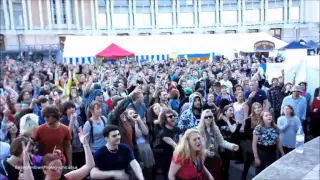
(15, 10)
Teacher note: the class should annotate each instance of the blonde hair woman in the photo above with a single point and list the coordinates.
(213, 139)
(246, 143)
(188, 158)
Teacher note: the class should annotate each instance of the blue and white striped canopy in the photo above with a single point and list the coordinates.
(159, 57)
(79, 60)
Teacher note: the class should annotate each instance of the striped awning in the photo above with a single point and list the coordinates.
(79, 60)
(159, 57)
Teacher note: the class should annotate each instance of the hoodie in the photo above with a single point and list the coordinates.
(188, 119)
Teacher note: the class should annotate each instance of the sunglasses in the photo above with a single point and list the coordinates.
(208, 117)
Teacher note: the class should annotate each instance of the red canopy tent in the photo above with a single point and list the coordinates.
(114, 52)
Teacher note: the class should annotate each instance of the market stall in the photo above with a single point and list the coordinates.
(159, 47)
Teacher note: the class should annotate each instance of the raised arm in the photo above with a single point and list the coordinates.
(223, 143)
(174, 168)
(85, 169)
(4, 125)
(27, 172)
(282, 124)
(137, 169)
(169, 141)
(95, 173)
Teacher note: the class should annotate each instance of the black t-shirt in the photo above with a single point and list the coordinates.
(119, 160)
(198, 117)
(259, 97)
(8, 171)
(248, 130)
(224, 129)
(155, 130)
(167, 150)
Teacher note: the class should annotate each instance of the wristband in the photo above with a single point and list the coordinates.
(86, 145)
(256, 157)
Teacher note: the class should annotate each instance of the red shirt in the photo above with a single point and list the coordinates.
(188, 169)
(109, 104)
(49, 138)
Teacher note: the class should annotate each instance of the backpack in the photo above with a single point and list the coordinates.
(105, 122)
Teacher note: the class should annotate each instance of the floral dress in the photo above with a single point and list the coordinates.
(267, 136)
(267, 145)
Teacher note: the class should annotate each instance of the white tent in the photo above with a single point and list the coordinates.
(88, 46)
(307, 69)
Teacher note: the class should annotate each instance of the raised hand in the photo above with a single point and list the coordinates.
(25, 151)
(82, 136)
(56, 151)
(6, 111)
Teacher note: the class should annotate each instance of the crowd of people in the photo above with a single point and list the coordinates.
(182, 120)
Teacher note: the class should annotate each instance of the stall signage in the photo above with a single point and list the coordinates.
(264, 45)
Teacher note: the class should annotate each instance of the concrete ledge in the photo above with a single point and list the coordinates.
(295, 166)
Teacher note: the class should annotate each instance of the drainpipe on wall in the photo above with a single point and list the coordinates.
(19, 41)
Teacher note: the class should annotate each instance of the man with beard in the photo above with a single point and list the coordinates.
(112, 159)
(190, 118)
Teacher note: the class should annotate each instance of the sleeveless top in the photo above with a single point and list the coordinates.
(140, 139)
(238, 111)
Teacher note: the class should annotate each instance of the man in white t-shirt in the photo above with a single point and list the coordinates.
(225, 81)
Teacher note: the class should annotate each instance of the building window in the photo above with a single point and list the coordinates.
(230, 5)
(102, 15)
(276, 32)
(208, 5)
(63, 11)
(73, 12)
(253, 30)
(165, 3)
(295, 3)
(17, 14)
(121, 6)
(252, 4)
(143, 6)
(186, 5)
(275, 4)
(275, 11)
(230, 31)
(2, 19)
(165, 6)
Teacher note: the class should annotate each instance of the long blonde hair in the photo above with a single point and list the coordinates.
(183, 149)
(202, 127)
(255, 118)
